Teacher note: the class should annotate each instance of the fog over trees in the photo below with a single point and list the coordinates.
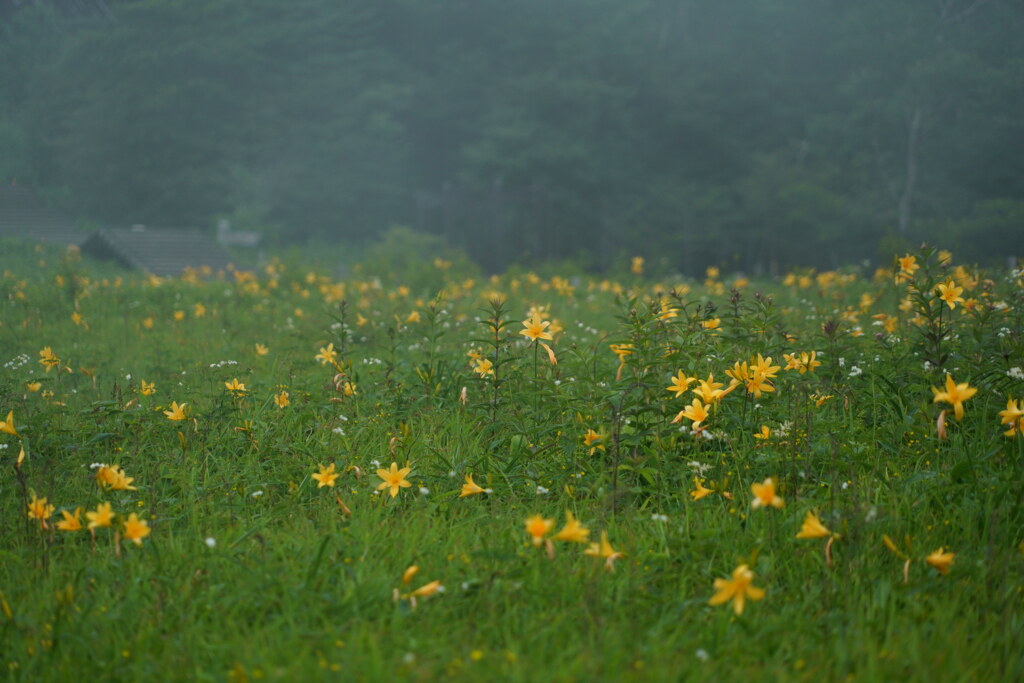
(748, 133)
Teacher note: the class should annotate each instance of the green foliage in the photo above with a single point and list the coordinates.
(254, 569)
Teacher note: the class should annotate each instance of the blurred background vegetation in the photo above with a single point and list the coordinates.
(753, 134)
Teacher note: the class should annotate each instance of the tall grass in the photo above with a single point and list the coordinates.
(252, 570)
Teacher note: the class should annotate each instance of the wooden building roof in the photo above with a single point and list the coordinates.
(161, 251)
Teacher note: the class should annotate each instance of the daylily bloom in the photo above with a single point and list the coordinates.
(327, 355)
(737, 589)
(114, 478)
(753, 378)
(696, 411)
(122, 482)
(7, 426)
(261, 350)
(1013, 416)
(471, 488)
(394, 478)
(573, 531)
(538, 527)
(39, 508)
(604, 549)
(709, 390)
(135, 529)
(326, 476)
(176, 413)
(940, 560)
(804, 362)
(281, 399)
(103, 516)
(812, 527)
(764, 433)
(592, 440)
(484, 367)
(908, 264)
(48, 359)
(428, 589)
(148, 388)
(950, 293)
(764, 495)
(621, 350)
(409, 572)
(235, 387)
(700, 491)
(105, 476)
(534, 328)
(71, 521)
(680, 383)
(955, 394)
(637, 265)
(764, 368)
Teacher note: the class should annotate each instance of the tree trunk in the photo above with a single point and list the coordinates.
(911, 181)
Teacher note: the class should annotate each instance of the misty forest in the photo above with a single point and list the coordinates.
(751, 133)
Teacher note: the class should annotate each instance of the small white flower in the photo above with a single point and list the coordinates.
(541, 490)
(698, 468)
(659, 518)
(211, 542)
(702, 655)
(856, 371)
(257, 494)
(424, 491)
(375, 463)
(338, 430)
(97, 465)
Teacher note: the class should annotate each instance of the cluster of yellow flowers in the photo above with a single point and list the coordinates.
(134, 528)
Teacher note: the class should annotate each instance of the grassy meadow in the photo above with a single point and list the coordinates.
(281, 475)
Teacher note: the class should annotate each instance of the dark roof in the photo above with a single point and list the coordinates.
(160, 251)
(23, 215)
